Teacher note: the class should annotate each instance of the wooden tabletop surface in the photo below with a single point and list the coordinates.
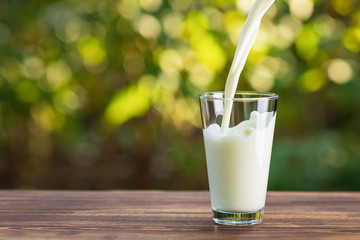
(171, 215)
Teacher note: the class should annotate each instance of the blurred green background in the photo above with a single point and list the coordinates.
(104, 94)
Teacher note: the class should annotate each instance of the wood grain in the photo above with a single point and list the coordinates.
(171, 215)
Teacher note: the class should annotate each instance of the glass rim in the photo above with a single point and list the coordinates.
(262, 95)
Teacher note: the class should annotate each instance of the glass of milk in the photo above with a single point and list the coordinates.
(238, 159)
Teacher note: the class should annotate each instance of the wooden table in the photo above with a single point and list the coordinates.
(171, 215)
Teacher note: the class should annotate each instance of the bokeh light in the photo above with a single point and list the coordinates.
(126, 104)
(148, 26)
(129, 9)
(301, 9)
(150, 5)
(57, 73)
(339, 71)
(312, 80)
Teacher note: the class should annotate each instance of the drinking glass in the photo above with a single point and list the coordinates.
(238, 157)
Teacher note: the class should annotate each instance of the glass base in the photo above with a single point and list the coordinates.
(238, 218)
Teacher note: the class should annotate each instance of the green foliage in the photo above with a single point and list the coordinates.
(103, 94)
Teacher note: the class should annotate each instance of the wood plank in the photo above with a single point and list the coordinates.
(171, 215)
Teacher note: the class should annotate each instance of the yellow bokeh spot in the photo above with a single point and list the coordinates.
(200, 76)
(180, 5)
(189, 59)
(224, 3)
(173, 25)
(195, 24)
(45, 117)
(92, 51)
(262, 42)
(307, 43)
(150, 5)
(129, 9)
(312, 80)
(351, 39)
(276, 67)
(170, 59)
(72, 30)
(244, 5)
(58, 73)
(33, 67)
(127, 103)
(255, 57)
(261, 78)
(302, 9)
(287, 31)
(206, 46)
(184, 112)
(339, 71)
(325, 25)
(216, 18)
(343, 7)
(170, 80)
(148, 26)
(66, 101)
(234, 22)
(209, 51)
(149, 86)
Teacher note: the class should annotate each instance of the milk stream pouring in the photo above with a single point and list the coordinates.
(247, 38)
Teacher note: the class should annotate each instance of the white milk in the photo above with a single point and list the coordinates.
(238, 163)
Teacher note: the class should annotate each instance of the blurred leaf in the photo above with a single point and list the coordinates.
(126, 104)
(312, 80)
